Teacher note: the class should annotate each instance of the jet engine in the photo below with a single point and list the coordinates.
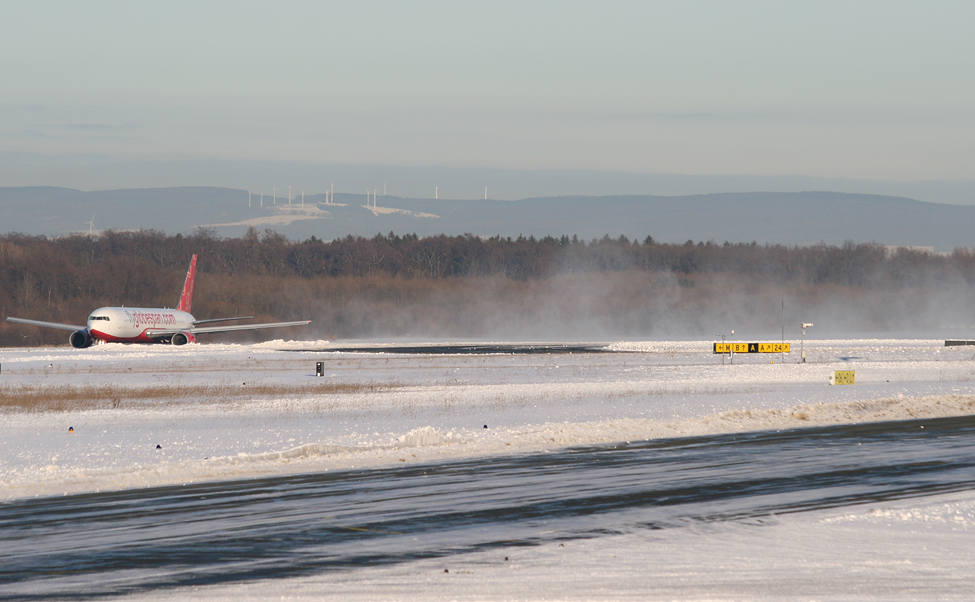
(80, 339)
(182, 338)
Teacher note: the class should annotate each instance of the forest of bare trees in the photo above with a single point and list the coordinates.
(466, 286)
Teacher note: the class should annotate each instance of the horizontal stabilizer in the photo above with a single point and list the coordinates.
(46, 324)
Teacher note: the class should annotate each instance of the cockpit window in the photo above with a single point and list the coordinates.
(99, 318)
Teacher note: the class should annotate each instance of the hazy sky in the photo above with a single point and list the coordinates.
(881, 89)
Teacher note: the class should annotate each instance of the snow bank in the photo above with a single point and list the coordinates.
(120, 456)
(411, 409)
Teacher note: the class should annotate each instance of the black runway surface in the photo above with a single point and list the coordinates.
(100, 545)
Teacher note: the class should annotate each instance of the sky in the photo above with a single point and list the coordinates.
(879, 90)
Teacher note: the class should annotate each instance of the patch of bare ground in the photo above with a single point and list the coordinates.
(172, 367)
(66, 398)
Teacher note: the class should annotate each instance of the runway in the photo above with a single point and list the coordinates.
(462, 349)
(106, 544)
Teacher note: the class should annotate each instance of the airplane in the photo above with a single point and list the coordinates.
(150, 325)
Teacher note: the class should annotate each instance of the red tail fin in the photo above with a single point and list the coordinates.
(186, 299)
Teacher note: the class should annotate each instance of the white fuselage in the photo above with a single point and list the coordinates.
(129, 324)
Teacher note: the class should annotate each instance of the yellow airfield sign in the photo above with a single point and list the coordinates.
(844, 377)
(751, 347)
(735, 347)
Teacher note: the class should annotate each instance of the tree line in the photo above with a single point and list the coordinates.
(360, 286)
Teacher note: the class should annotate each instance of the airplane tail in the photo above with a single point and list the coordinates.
(186, 299)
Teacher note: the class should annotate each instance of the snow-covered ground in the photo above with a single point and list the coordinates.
(157, 415)
(206, 412)
(903, 551)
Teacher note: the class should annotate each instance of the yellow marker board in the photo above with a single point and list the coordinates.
(731, 348)
(844, 377)
(751, 347)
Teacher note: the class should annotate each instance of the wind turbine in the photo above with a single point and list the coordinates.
(91, 226)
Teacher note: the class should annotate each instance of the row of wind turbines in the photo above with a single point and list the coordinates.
(330, 196)
(329, 200)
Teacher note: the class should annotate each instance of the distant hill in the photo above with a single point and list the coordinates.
(789, 218)
(58, 211)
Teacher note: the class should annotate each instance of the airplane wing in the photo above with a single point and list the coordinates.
(212, 329)
(47, 324)
(211, 320)
(164, 333)
(159, 333)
